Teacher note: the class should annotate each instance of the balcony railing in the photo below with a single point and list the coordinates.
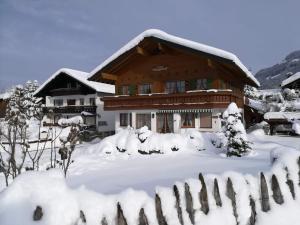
(71, 109)
(205, 99)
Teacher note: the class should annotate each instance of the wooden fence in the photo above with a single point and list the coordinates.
(213, 193)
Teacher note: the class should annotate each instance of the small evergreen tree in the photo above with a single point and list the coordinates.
(237, 143)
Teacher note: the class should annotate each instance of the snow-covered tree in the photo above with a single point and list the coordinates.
(21, 107)
(251, 92)
(236, 140)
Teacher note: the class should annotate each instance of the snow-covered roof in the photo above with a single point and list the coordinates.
(291, 79)
(81, 77)
(180, 41)
(282, 116)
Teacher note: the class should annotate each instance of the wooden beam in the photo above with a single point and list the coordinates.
(142, 51)
(109, 76)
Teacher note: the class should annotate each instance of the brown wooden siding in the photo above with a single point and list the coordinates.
(194, 100)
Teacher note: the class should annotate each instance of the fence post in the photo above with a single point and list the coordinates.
(121, 220)
(276, 190)
(203, 195)
(143, 218)
(189, 203)
(290, 183)
(217, 193)
(231, 195)
(252, 218)
(177, 205)
(265, 203)
(159, 214)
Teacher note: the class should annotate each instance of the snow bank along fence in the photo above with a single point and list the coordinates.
(239, 197)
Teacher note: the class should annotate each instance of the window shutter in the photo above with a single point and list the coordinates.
(193, 84)
(132, 90)
(209, 83)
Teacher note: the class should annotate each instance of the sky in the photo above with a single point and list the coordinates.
(37, 37)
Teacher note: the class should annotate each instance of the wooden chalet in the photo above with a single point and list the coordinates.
(171, 84)
(68, 93)
(292, 82)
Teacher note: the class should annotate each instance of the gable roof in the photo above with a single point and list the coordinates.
(180, 41)
(291, 79)
(81, 77)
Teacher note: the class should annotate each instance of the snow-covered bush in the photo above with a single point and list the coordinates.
(67, 148)
(76, 120)
(237, 143)
(289, 94)
(251, 92)
(145, 141)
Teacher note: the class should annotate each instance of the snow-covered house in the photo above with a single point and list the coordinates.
(172, 84)
(68, 93)
(292, 82)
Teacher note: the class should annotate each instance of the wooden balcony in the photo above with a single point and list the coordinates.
(71, 109)
(189, 100)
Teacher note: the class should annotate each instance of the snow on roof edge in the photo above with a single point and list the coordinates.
(177, 40)
(290, 79)
(81, 77)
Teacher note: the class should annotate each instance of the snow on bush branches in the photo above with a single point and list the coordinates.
(235, 140)
(144, 141)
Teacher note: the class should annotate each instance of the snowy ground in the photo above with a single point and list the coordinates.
(113, 174)
(146, 172)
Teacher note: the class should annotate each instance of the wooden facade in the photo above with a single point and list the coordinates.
(170, 86)
(157, 62)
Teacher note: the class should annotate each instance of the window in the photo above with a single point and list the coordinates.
(187, 120)
(145, 88)
(69, 85)
(201, 84)
(175, 86)
(164, 122)
(58, 102)
(143, 119)
(71, 102)
(102, 123)
(125, 119)
(205, 120)
(81, 101)
(124, 90)
(92, 101)
(223, 84)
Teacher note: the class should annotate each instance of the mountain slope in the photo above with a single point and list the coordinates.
(273, 76)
